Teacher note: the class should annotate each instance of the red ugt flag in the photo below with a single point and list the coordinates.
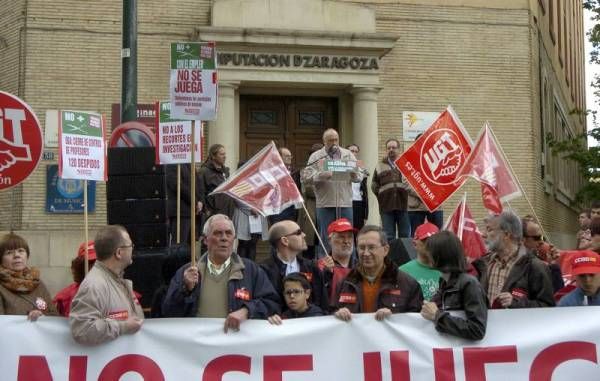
(462, 224)
(487, 165)
(263, 183)
(432, 163)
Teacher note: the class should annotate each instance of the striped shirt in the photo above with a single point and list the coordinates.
(498, 271)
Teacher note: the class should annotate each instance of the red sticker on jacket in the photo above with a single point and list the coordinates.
(393, 291)
(242, 293)
(308, 276)
(347, 298)
(118, 315)
(519, 293)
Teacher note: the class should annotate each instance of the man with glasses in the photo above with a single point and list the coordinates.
(222, 284)
(376, 285)
(511, 276)
(288, 242)
(105, 306)
(392, 193)
(533, 240)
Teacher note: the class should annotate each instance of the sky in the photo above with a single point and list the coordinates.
(590, 71)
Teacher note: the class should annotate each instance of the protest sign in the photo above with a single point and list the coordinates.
(173, 137)
(193, 85)
(82, 151)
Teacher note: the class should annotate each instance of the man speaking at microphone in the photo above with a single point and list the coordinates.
(333, 196)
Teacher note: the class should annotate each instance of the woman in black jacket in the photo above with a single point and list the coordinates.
(458, 291)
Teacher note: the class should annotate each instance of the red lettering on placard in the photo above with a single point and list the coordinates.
(476, 358)
(142, 365)
(550, 358)
(216, 368)
(274, 366)
(399, 365)
(443, 364)
(77, 368)
(372, 366)
(33, 368)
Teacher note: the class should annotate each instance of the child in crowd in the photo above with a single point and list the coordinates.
(296, 291)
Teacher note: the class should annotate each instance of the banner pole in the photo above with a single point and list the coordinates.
(85, 226)
(193, 196)
(314, 228)
(178, 203)
(518, 182)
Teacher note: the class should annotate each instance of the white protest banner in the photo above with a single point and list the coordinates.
(82, 151)
(173, 137)
(538, 344)
(193, 85)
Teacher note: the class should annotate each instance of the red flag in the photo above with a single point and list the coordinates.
(462, 224)
(487, 164)
(263, 184)
(431, 164)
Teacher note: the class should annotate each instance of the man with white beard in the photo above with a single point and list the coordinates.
(337, 265)
(512, 277)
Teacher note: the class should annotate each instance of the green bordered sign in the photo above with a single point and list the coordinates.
(193, 84)
(173, 137)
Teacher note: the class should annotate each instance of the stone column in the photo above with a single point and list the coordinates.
(366, 135)
(226, 130)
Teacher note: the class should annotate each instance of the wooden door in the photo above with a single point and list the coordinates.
(293, 122)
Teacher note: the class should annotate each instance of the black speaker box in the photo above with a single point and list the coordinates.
(132, 161)
(149, 235)
(136, 186)
(125, 212)
(146, 273)
(402, 251)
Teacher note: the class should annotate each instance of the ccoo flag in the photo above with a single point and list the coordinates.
(263, 184)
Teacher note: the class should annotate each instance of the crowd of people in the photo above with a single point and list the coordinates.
(356, 270)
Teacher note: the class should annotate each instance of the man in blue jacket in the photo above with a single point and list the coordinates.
(222, 285)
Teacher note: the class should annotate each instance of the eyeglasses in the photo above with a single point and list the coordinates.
(296, 232)
(127, 246)
(371, 248)
(535, 237)
(293, 292)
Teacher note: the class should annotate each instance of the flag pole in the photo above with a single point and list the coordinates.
(85, 226)
(193, 197)
(178, 203)
(517, 179)
(315, 229)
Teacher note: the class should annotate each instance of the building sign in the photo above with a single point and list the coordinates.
(66, 195)
(145, 114)
(415, 123)
(21, 141)
(298, 60)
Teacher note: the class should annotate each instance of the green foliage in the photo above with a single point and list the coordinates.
(576, 149)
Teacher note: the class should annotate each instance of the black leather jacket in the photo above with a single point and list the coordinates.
(461, 292)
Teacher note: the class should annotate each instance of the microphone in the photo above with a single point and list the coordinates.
(332, 150)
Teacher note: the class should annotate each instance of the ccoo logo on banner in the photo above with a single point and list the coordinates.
(431, 164)
(20, 141)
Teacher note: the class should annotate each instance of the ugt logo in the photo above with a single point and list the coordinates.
(441, 156)
(20, 140)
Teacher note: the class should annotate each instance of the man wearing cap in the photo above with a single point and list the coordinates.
(337, 265)
(376, 285)
(64, 297)
(420, 268)
(585, 266)
(334, 198)
(288, 242)
(105, 306)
